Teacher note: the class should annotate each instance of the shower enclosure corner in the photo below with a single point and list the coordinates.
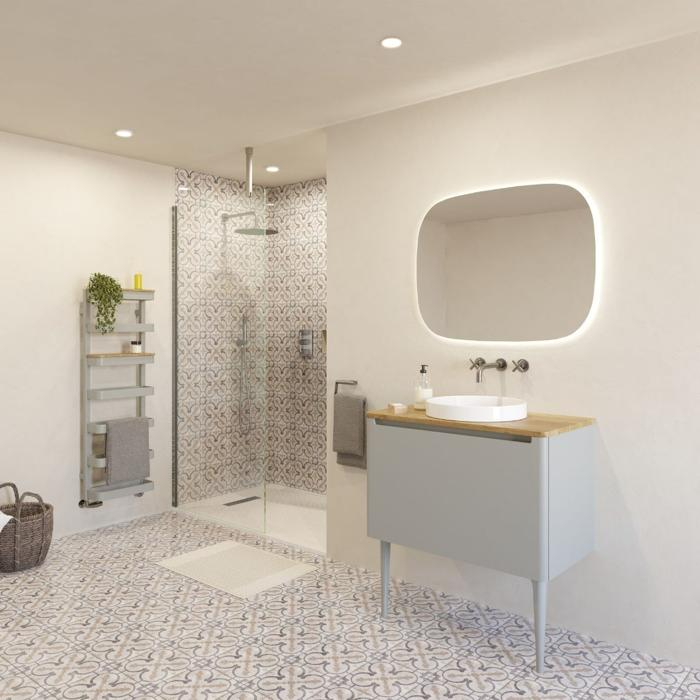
(249, 378)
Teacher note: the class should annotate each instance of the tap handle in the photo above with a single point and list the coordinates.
(520, 366)
(475, 364)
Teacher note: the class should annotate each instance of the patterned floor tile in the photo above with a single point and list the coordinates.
(291, 681)
(567, 675)
(61, 666)
(379, 678)
(102, 620)
(614, 686)
(690, 688)
(536, 689)
(650, 669)
(374, 635)
(101, 685)
(420, 655)
(474, 675)
(151, 666)
(640, 676)
(199, 684)
(15, 685)
(584, 649)
(438, 690)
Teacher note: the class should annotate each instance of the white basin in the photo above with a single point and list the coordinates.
(476, 409)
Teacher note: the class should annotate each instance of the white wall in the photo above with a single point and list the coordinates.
(624, 130)
(519, 263)
(66, 212)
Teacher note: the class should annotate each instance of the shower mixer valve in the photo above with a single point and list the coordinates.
(306, 342)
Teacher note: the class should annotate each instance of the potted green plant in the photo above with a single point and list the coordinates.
(106, 293)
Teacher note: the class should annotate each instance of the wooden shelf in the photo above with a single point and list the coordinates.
(138, 294)
(115, 359)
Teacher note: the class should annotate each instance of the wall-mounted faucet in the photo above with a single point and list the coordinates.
(500, 364)
(480, 365)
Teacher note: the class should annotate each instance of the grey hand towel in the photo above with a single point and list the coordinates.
(126, 450)
(349, 429)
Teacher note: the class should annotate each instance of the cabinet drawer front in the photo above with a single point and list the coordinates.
(472, 498)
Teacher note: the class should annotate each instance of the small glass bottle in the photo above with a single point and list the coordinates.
(423, 390)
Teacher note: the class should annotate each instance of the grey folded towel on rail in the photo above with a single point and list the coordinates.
(349, 429)
(126, 450)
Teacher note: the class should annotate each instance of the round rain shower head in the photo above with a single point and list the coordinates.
(254, 230)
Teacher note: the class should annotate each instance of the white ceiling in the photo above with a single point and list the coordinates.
(199, 80)
(511, 201)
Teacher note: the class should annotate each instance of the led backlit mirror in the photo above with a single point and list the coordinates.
(507, 265)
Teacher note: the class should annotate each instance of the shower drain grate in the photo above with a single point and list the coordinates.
(242, 500)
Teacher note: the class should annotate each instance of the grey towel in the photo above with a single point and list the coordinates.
(349, 429)
(126, 450)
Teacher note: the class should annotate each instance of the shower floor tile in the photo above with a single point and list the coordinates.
(283, 513)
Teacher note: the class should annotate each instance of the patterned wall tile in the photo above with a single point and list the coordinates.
(279, 283)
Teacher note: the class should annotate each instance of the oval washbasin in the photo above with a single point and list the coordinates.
(476, 409)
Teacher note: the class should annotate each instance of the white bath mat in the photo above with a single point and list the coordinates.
(236, 568)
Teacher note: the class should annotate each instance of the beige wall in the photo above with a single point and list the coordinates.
(622, 129)
(431, 278)
(66, 212)
(516, 263)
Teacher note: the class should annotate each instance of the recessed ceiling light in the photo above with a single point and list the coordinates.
(391, 42)
(272, 169)
(124, 133)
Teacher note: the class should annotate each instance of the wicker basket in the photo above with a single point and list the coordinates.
(25, 541)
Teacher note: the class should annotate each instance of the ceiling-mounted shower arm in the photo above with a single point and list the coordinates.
(249, 169)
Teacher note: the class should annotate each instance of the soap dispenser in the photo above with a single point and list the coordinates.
(423, 390)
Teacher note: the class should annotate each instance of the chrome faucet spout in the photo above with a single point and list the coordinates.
(500, 364)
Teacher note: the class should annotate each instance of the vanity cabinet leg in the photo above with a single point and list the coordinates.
(539, 594)
(385, 565)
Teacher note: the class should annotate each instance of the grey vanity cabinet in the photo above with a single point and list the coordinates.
(515, 503)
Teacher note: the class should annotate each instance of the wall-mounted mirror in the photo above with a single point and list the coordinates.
(507, 265)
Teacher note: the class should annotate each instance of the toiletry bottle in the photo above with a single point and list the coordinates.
(423, 389)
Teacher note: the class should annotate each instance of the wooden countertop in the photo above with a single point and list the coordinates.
(535, 425)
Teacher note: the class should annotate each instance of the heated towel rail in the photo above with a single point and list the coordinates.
(93, 467)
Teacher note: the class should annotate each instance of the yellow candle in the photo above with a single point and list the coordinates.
(138, 281)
